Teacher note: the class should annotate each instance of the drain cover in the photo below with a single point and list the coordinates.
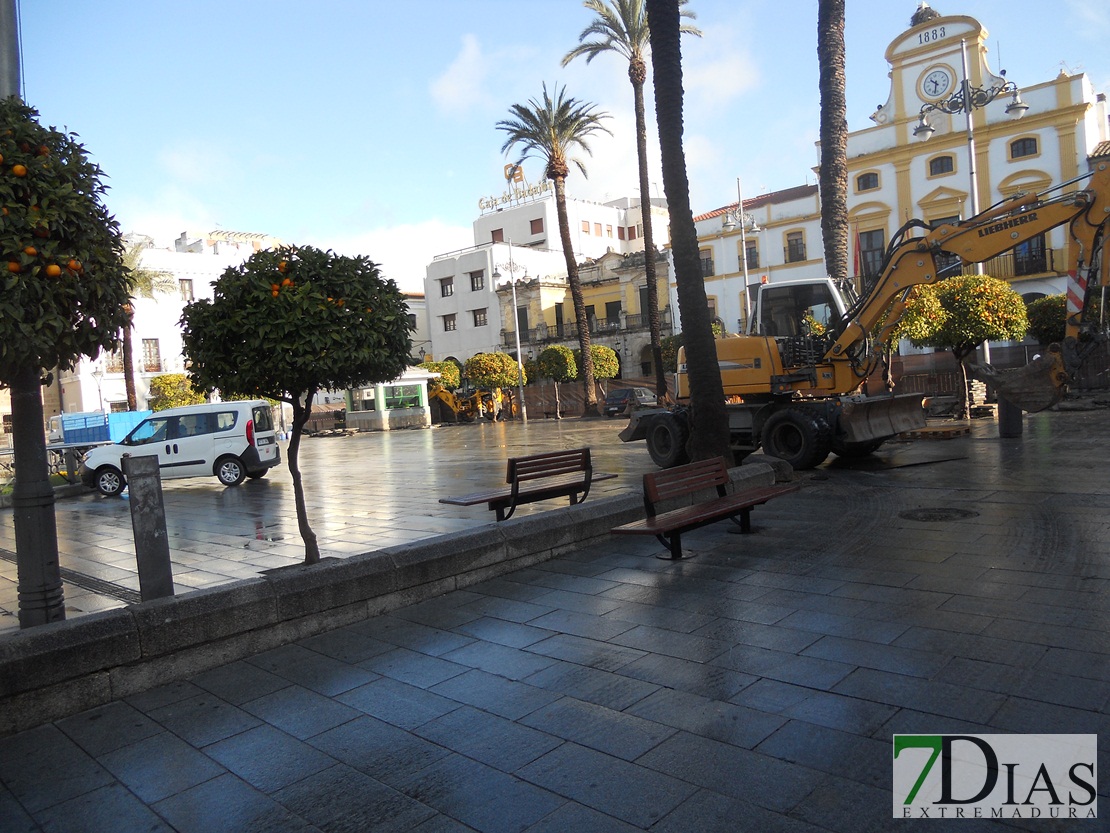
(938, 513)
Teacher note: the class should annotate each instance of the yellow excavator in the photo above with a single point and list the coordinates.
(794, 388)
(469, 406)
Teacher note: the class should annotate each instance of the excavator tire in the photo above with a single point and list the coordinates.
(800, 437)
(666, 442)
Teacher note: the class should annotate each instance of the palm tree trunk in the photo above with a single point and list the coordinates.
(126, 348)
(834, 137)
(589, 406)
(709, 433)
(637, 73)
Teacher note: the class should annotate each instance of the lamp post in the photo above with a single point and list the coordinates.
(747, 223)
(98, 375)
(967, 99)
(516, 332)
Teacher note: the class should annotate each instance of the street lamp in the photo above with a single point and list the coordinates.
(747, 223)
(98, 375)
(516, 332)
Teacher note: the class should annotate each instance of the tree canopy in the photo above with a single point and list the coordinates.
(558, 364)
(171, 390)
(449, 375)
(492, 370)
(64, 282)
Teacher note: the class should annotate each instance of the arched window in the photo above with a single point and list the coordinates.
(1023, 147)
(867, 182)
(941, 165)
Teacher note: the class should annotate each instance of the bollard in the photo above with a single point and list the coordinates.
(1010, 422)
(148, 520)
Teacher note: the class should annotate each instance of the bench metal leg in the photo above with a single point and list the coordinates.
(673, 543)
(745, 522)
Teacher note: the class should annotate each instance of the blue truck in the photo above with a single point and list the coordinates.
(93, 426)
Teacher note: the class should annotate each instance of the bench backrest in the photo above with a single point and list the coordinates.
(684, 480)
(550, 464)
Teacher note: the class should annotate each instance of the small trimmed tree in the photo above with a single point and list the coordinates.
(172, 390)
(449, 376)
(959, 314)
(291, 322)
(558, 364)
(605, 363)
(1046, 318)
(493, 371)
(62, 295)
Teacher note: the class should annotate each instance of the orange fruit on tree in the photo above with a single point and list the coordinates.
(14, 266)
(30, 251)
(41, 231)
(53, 270)
(19, 170)
(282, 266)
(274, 288)
(274, 292)
(286, 282)
(74, 265)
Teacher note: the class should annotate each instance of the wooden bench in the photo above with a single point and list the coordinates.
(683, 481)
(538, 477)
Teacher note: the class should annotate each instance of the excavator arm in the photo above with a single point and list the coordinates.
(862, 338)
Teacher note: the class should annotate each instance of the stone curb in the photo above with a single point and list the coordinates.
(60, 669)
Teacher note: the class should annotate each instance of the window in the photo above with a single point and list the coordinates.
(1029, 257)
(559, 320)
(870, 254)
(497, 235)
(585, 226)
(402, 396)
(620, 232)
(711, 302)
(632, 232)
(522, 320)
(597, 229)
(114, 362)
(1023, 147)
(867, 182)
(537, 226)
(185, 285)
(752, 252)
(706, 256)
(613, 313)
(152, 359)
(795, 247)
(412, 320)
(480, 317)
(477, 281)
(449, 325)
(948, 264)
(941, 165)
(447, 287)
(608, 231)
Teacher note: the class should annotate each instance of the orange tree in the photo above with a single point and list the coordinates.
(290, 322)
(604, 360)
(449, 375)
(558, 364)
(959, 314)
(64, 290)
(493, 371)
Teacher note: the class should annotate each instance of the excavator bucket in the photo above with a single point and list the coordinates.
(880, 417)
(1039, 385)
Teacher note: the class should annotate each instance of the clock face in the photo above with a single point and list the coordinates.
(936, 83)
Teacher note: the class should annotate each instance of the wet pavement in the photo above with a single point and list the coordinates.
(946, 586)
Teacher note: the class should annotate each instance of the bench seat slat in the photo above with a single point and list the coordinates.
(686, 517)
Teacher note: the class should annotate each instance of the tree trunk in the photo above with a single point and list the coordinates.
(126, 348)
(963, 409)
(637, 72)
(41, 596)
(834, 137)
(589, 406)
(709, 433)
(558, 407)
(301, 413)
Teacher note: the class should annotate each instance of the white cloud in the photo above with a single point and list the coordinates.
(462, 85)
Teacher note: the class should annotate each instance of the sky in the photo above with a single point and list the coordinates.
(368, 127)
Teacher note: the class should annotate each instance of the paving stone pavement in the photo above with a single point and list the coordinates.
(944, 586)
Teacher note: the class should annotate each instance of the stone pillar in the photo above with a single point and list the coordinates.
(148, 520)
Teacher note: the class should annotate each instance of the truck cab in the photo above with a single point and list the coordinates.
(799, 308)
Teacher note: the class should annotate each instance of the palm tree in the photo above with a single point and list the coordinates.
(709, 434)
(144, 283)
(834, 137)
(549, 130)
(621, 27)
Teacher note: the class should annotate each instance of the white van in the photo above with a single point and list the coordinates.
(230, 440)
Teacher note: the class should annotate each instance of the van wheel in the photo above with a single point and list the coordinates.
(109, 481)
(230, 471)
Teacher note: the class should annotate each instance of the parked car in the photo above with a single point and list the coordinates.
(618, 400)
(230, 440)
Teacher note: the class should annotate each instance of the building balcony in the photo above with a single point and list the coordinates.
(547, 334)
